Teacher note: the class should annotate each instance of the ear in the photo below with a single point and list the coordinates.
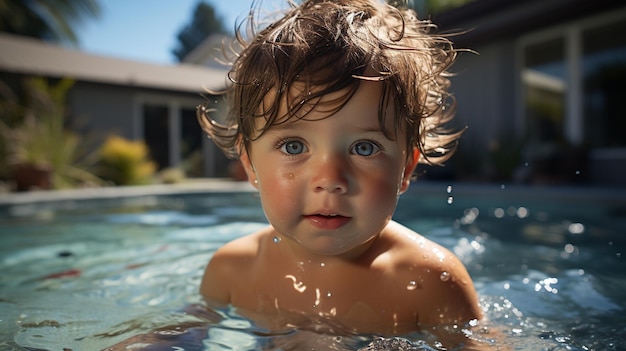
(248, 167)
(411, 163)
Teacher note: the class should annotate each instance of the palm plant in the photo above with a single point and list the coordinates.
(51, 20)
(41, 143)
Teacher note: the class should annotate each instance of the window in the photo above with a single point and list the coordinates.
(543, 79)
(573, 83)
(604, 88)
(155, 133)
(191, 143)
(171, 131)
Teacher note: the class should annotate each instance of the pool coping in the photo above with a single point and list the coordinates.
(112, 192)
(562, 192)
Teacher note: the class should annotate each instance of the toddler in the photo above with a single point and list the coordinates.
(331, 108)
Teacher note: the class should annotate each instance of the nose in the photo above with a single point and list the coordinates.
(331, 175)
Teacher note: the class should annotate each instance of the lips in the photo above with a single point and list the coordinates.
(327, 221)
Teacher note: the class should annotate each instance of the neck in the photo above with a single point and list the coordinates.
(298, 253)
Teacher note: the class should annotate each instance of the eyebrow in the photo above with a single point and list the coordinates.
(370, 129)
(288, 127)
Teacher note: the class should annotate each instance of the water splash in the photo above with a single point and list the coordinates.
(396, 344)
(299, 286)
(318, 295)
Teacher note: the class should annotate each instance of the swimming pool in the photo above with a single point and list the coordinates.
(87, 270)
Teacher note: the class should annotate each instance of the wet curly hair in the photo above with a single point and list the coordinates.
(327, 46)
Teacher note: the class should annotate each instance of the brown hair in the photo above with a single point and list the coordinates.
(331, 46)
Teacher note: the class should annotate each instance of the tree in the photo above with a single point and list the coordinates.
(424, 7)
(204, 23)
(51, 20)
(438, 6)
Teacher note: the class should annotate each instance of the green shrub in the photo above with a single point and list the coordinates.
(125, 162)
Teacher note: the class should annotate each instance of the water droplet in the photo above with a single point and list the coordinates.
(445, 276)
(498, 212)
(502, 186)
(449, 189)
(329, 294)
(322, 264)
(276, 239)
(576, 228)
(450, 200)
(412, 285)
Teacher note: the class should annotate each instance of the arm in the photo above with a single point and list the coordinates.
(230, 264)
(215, 285)
(453, 299)
(446, 293)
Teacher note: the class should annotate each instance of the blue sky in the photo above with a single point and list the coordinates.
(145, 30)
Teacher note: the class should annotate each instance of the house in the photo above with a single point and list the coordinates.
(544, 95)
(211, 52)
(136, 100)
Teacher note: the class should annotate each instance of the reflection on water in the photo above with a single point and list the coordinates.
(91, 275)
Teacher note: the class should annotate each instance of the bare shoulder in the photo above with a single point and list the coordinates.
(437, 275)
(232, 259)
(411, 248)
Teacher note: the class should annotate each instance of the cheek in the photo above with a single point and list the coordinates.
(380, 190)
(279, 193)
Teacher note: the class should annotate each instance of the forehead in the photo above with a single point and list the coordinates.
(302, 101)
(363, 105)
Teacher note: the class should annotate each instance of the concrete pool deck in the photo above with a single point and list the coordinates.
(608, 194)
(112, 192)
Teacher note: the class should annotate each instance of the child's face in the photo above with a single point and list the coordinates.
(331, 184)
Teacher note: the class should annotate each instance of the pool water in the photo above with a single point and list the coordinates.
(86, 274)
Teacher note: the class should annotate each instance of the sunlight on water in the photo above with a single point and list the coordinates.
(88, 278)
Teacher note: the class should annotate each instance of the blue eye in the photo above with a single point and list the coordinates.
(293, 147)
(365, 148)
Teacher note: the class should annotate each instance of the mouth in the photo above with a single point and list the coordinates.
(327, 221)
